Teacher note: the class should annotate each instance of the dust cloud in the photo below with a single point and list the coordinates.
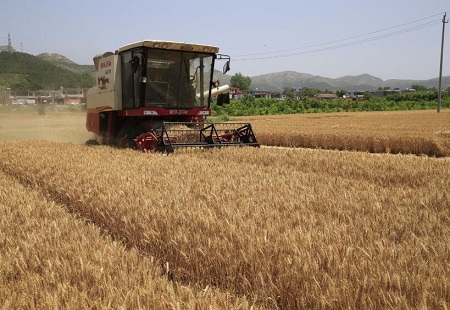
(50, 123)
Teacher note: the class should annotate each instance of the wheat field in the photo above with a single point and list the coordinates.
(238, 228)
(52, 259)
(409, 132)
(406, 132)
(52, 123)
(270, 228)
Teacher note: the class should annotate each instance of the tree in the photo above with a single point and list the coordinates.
(368, 95)
(240, 81)
(419, 87)
(289, 92)
(341, 93)
(307, 92)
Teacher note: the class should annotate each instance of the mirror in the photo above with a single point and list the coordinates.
(226, 67)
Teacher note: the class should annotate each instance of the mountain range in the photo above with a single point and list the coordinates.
(278, 81)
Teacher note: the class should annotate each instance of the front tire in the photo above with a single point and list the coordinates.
(126, 136)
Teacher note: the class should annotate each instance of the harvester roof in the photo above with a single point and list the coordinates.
(172, 45)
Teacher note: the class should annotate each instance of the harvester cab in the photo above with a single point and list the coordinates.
(156, 95)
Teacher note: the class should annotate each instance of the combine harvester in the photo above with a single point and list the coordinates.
(156, 95)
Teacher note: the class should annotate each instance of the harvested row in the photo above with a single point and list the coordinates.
(52, 260)
(288, 228)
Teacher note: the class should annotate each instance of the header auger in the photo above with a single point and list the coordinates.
(156, 95)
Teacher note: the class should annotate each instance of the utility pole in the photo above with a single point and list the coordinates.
(440, 68)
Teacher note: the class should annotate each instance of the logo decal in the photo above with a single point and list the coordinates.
(102, 81)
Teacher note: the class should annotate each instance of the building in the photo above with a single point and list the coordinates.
(235, 93)
(326, 96)
(62, 96)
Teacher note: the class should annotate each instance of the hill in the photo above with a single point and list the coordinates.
(64, 62)
(5, 48)
(21, 71)
(291, 79)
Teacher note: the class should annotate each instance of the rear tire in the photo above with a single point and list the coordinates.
(91, 142)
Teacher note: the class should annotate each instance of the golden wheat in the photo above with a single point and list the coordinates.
(289, 228)
(409, 132)
(53, 260)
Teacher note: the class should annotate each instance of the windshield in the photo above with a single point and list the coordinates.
(177, 79)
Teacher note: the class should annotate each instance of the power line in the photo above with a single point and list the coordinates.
(343, 45)
(382, 36)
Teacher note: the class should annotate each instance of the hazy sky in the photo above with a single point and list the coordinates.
(390, 39)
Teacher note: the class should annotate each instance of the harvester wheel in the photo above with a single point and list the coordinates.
(91, 142)
(146, 142)
(122, 143)
(126, 136)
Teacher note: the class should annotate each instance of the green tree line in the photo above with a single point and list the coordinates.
(21, 71)
(249, 105)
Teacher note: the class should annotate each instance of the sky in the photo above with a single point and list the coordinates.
(389, 39)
